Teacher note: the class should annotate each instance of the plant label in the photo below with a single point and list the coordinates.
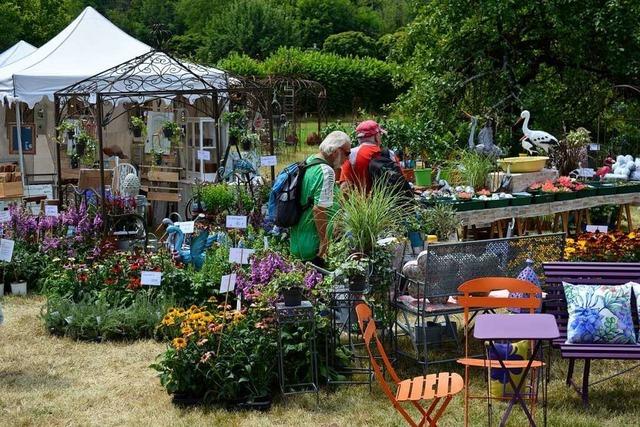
(240, 255)
(151, 278)
(5, 216)
(239, 303)
(209, 177)
(204, 155)
(265, 240)
(236, 221)
(186, 227)
(586, 172)
(594, 147)
(268, 161)
(599, 228)
(51, 210)
(6, 250)
(228, 283)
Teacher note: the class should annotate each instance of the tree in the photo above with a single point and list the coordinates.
(350, 43)
(11, 25)
(253, 27)
(558, 59)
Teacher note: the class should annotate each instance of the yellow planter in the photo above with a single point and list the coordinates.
(523, 164)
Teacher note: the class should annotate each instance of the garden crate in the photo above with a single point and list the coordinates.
(633, 187)
(521, 200)
(10, 189)
(500, 203)
(587, 192)
(543, 198)
(468, 205)
(603, 189)
(566, 195)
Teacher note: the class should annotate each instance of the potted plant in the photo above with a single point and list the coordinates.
(441, 220)
(354, 273)
(138, 126)
(75, 160)
(171, 129)
(68, 127)
(19, 271)
(157, 157)
(289, 287)
(81, 143)
(236, 121)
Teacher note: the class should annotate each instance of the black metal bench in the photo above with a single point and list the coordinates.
(588, 273)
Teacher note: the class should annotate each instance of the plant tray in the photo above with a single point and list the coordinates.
(521, 200)
(629, 188)
(543, 198)
(469, 205)
(562, 196)
(500, 203)
(587, 192)
(607, 190)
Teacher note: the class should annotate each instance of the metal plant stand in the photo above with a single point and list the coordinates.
(302, 314)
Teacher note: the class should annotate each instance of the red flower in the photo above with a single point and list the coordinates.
(134, 283)
(82, 277)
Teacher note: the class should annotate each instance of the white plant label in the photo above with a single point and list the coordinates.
(240, 255)
(6, 250)
(5, 216)
(186, 227)
(236, 221)
(151, 278)
(204, 155)
(209, 177)
(239, 303)
(594, 147)
(268, 161)
(599, 228)
(265, 240)
(51, 210)
(228, 283)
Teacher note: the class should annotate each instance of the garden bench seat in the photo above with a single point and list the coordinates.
(587, 273)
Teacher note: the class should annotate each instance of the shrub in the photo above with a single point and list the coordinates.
(350, 43)
(217, 198)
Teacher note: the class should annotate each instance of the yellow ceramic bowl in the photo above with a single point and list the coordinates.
(523, 164)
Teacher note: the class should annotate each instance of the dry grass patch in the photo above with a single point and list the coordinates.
(52, 381)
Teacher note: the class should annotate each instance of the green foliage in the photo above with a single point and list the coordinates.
(350, 43)
(367, 79)
(474, 168)
(217, 197)
(27, 264)
(561, 65)
(98, 320)
(441, 220)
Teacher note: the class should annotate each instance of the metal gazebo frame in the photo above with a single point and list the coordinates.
(152, 76)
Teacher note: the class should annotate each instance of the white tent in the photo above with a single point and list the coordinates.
(15, 53)
(87, 46)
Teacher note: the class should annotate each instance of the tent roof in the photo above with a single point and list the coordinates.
(87, 46)
(16, 52)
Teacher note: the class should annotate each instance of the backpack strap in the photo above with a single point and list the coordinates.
(314, 162)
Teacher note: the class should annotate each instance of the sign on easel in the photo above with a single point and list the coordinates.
(268, 161)
(236, 221)
(240, 255)
(204, 155)
(151, 278)
(6, 250)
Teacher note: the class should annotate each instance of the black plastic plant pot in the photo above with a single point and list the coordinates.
(184, 399)
(71, 133)
(75, 163)
(292, 297)
(137, 132)
(168, 132)
(357, 284)
(157, 159)
(80, 146)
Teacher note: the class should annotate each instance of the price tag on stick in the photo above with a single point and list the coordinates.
(228, 283)
(5, 216)
(51, 210)
(599, 228)
(236, 221)
(240, 255)
(268, 161)
(6, 250)
(186, 227)
(151, 278)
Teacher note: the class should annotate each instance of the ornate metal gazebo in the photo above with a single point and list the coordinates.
(157, 76)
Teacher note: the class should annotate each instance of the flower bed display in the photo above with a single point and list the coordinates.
(604, 247)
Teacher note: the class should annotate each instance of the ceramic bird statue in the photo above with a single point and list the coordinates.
(535, 138)
(472, 134)
(485, 137)
(195, 253)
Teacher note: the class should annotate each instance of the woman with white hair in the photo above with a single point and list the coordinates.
(310, 237)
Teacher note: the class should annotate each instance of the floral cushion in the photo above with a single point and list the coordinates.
(636, 291)
(499, 385)
(599, 314)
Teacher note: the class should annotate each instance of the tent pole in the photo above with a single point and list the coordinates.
(56, 100)
(19, 132)
(101, 154)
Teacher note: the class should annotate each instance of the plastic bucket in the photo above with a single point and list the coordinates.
(423, 177)
(19, 288)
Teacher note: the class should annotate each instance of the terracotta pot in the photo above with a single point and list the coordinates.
(409, 175)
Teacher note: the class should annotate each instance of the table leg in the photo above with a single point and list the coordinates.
(517, 397)
(565, 223)
(627, 209)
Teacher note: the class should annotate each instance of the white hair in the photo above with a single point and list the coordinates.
(333, 142)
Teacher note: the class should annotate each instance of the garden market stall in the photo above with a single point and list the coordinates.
(156, 77)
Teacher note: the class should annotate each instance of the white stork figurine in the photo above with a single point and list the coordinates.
(535, 138)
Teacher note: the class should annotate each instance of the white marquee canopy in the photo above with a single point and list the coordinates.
(16, 52)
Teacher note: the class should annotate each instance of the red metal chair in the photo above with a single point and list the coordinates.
(436, 387)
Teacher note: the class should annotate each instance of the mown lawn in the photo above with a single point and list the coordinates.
(52, 381)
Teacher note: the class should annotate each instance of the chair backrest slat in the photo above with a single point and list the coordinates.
(475, 293)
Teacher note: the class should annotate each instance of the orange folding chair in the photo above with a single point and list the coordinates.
(476, 297)
(434, 386)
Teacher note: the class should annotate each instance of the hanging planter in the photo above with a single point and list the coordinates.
(170, 129)
(137, 132)
(157, 159)
(137, 125)
(81, 145)
(75, 162)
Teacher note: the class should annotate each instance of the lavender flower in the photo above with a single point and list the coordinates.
(312, 279)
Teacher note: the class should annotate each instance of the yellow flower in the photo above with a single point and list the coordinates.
(632, 235)
(173, 311)
(569, 251)
(186, 330)
(179, 343)
(570, 241)
(582, 244)
(168, 321)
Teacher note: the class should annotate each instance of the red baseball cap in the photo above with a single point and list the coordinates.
(368, 128)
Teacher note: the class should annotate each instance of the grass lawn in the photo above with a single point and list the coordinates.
(52, 381)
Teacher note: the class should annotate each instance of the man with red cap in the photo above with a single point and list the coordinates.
(355, 170)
